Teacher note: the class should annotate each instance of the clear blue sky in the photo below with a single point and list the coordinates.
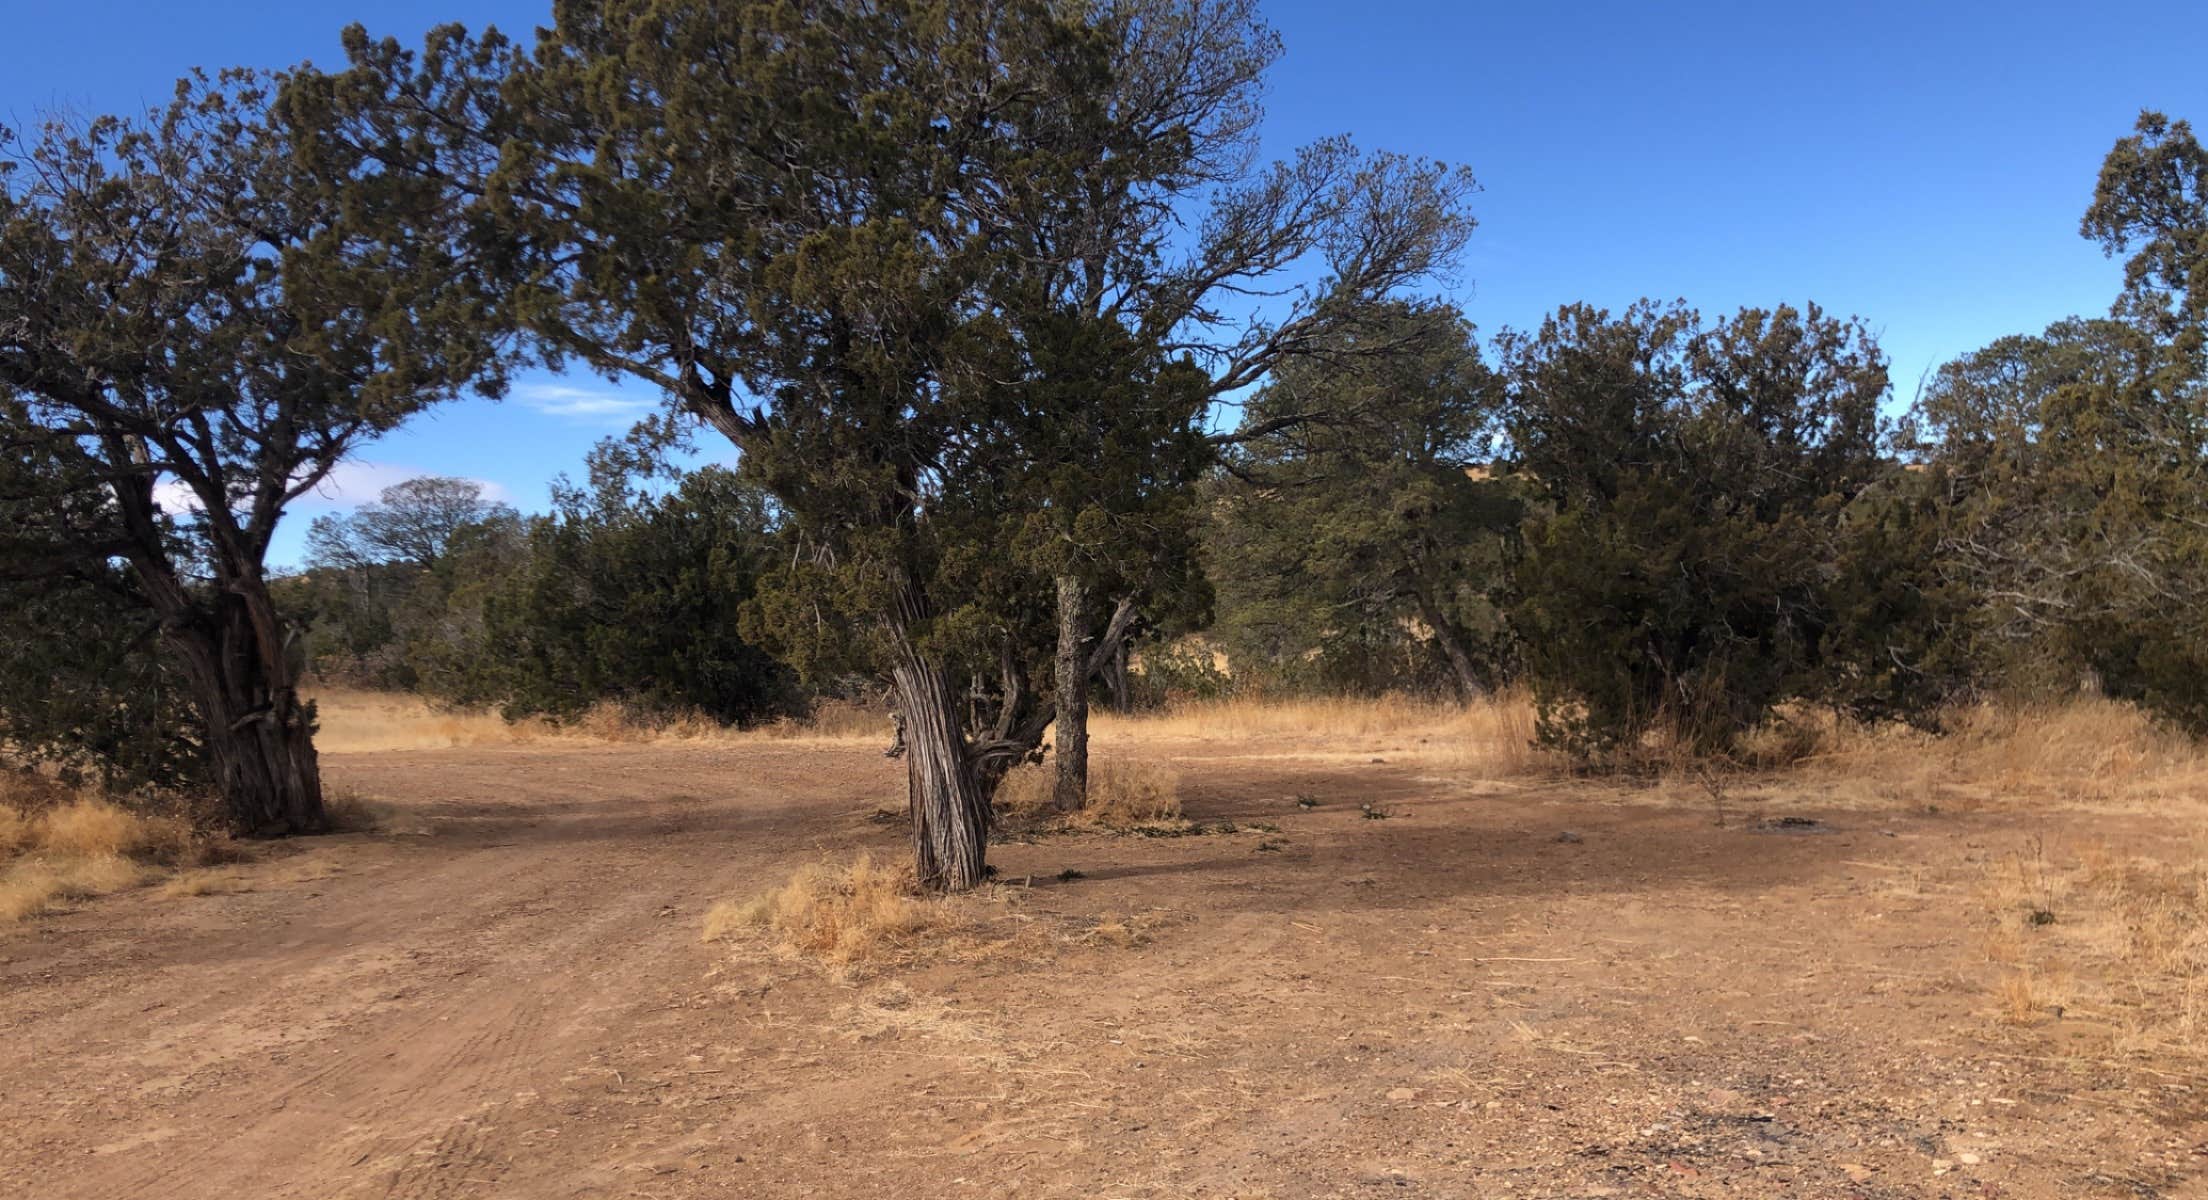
(1920, 164)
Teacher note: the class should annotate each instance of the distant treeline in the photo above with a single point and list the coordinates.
(1659, 523)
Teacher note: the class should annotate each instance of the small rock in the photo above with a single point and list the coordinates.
(1941, 1166)
(1402, 1093)
(1968, 1159)
(1569, 838)
(1856, 1172)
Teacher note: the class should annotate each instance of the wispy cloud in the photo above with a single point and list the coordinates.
(595, 405)
(355, 482)
(350, 484)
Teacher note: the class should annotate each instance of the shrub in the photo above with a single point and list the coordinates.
(1675, 576)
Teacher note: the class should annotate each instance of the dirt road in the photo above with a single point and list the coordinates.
(1530, 991)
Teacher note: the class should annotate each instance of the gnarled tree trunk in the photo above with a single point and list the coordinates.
(950, 808)
(259, 734)
(1071, 670)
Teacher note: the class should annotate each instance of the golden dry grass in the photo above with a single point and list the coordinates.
(59, 847)
(353, 722)
(2086, 753)
(32, 886)
(2115, 940)
(857, 916)
(1493, 735)
(356, 722)
(842, 915)
(15, 831)
(1124, 795)
(91, 827)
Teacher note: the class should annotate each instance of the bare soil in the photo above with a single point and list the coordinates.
(1547, 989)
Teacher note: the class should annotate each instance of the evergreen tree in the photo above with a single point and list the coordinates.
(1692, 481)
(627, 594)
(1370, 548)
(201, 313)
(841, 299)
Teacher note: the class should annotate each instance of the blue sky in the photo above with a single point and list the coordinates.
(1923, 165)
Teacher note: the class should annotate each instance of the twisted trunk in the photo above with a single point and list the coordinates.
(950, 807)
(259, 734)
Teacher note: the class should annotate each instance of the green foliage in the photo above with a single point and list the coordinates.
(201, 313)
(2152, 199)
(1902, 642)
(1368, 548)
(1693, 483)
(634, 598)
(2077, 507)
(382, 583)
(80, 688)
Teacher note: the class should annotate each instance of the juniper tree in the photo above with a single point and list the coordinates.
(774, 212)
(1372, 543)
(627, 594)
(78, 688)
(1692, 479)
(201, 314)
(2076, 461)
(1101, 296)
(815, 247)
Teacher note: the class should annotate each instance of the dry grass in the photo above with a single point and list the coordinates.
(859, 912)
(351, 812)
(1124, 932)
(836, 721)
(858, 916)
(2112, 939)
(2088, 752)
(1131, 795)
(93, 828)
(1124, 796)
(34, 886)
(1494, 735)
(58, 848)
(355, 722)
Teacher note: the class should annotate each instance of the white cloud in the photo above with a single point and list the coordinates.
(355, 482)
(350, 484)
(596, 405)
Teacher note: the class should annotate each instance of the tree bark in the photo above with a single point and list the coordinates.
(1071, 740)
(1116, 681)
(950, 808)
(1469, 685)
(260, 735)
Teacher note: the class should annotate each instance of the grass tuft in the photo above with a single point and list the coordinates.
(59, 847)
(842, 915)
(1124, 797)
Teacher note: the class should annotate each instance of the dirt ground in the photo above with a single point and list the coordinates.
(1543, 989)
